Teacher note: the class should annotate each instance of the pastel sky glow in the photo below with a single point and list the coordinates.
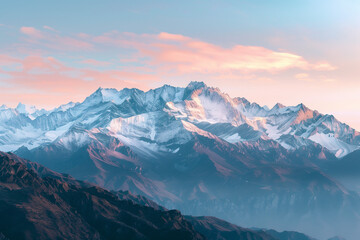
(266, 51)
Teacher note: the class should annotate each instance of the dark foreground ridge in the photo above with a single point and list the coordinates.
(32, 207)
(37, 203)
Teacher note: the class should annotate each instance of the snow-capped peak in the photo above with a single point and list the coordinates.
(110, 95)
(278, 106)
(65, 107)
(196, 85)
(26, 109)
(30, 110)
(207, 108)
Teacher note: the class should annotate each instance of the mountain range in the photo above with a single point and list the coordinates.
(201, 151)
(207, 108)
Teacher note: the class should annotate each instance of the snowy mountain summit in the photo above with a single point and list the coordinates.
(161, 119)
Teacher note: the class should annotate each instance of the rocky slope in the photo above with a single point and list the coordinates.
(49, 205)
(32, 207)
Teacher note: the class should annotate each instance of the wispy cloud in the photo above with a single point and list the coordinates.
(94, 62)
(54, 40)
(49, 28)
(187, 55)
(180, 54)
(190, 55)
(302, 76)
(32, 32)
(139, 60)
(52, 79)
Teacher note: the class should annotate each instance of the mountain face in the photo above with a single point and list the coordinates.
(48, 208)
(199, 150)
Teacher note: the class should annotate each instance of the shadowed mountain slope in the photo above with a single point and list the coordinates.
(49, 208)
(49, 205)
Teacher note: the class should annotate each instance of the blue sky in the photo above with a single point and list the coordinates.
(63, 40)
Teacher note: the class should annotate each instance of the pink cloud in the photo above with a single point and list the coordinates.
(183, 54)
(188, 55)
(180, 54)
(324, 66)
(302, 76)
(175, 37)
(6, 60)
(54, 40)
(94, 62)
(31, 32)
(58, 83)
(49, 28)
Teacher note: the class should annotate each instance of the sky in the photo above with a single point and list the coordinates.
(299, 51)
